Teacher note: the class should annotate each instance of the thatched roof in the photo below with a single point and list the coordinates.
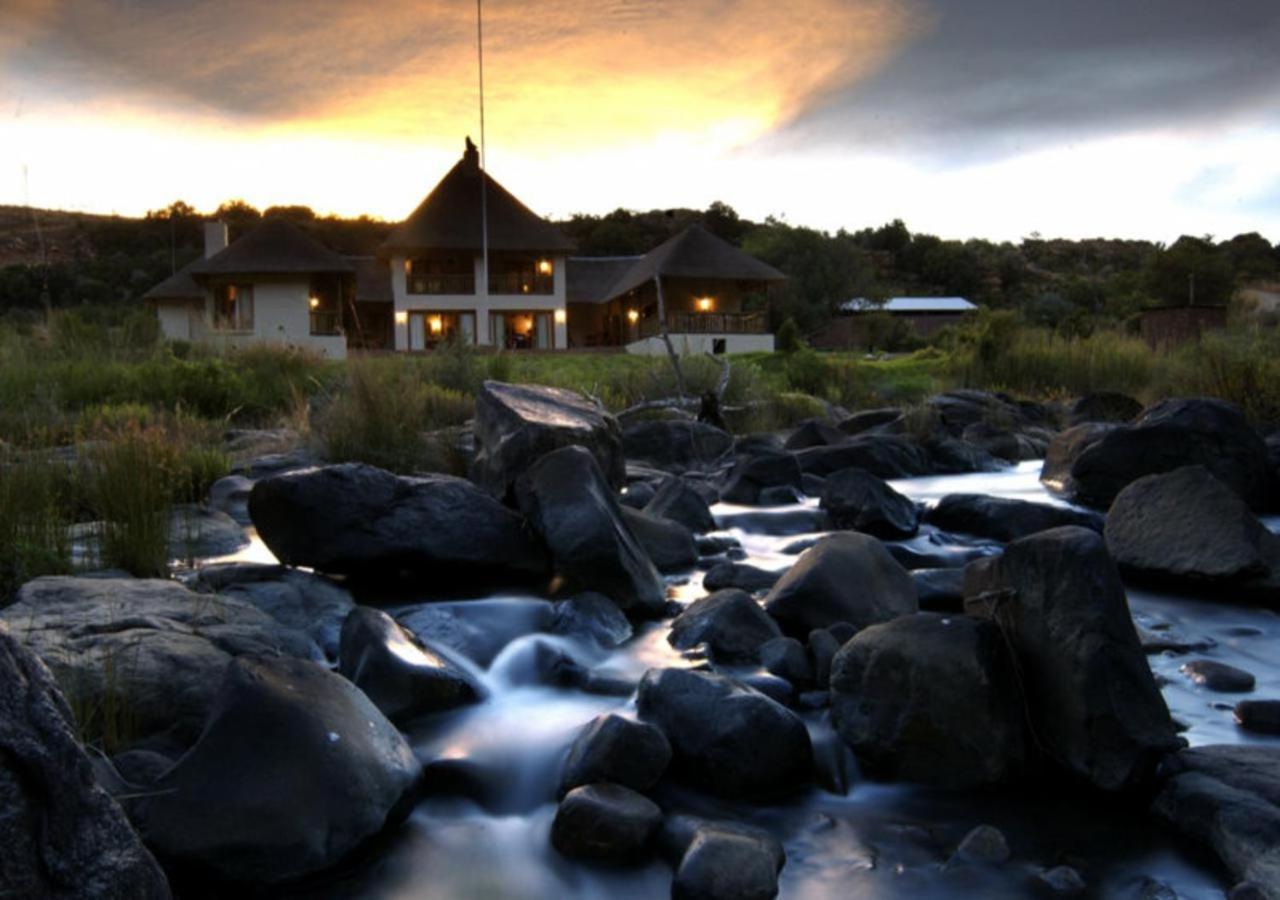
(694, 253)
(276, 247)
(373, 279)
(178, 286)
(589, 277)
(449, 218)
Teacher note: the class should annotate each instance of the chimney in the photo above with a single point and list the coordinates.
(215, 238)
(471, 156)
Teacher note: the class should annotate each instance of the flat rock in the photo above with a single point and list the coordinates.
(1217, 676)
(1004, 519)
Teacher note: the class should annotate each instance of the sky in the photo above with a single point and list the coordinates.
(965, 118)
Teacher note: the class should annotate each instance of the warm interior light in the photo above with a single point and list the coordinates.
(561, 318)
(408, 266)
(436, 324)
(705, 304)
(315, 302)
(402, 317)
(544, 266)
(633, 316)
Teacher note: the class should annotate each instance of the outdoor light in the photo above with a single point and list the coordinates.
(315, 302)
(704, 304)
(560, 317)
(402, 317)
(408, 266)
(544, 266)
(436, 324)
(633, 316)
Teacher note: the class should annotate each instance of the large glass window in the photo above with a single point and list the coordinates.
(521, 273)
(521, 330)
(429, 329)
(441, 274)
(233, 307)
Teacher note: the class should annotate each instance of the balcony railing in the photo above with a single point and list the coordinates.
(708, 323)
(442, 284)
(326, 323)
(521, 283)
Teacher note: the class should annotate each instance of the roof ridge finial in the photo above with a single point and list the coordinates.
(471, 155)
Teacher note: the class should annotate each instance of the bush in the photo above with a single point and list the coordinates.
(788, 338)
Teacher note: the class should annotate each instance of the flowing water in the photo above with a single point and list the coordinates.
(482, 831)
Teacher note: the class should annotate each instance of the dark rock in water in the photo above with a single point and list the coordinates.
(1095, 467)
(868, 419)
(795, 548)
(1259, 716)
(728, 864)
(605, 823)
(739, 575)
(1227, 798)
(931, 699)
(985, 844)
(753, 474)
(230, 495)
(1063, 881)
(786, 658)
(811, 484)
(622, 751)
(61, 835)
(401, 676)
(814, 433)
(948, 454)
(1090, 695)
(569, 504)
(198, 533)
(821, 588)
(543, 661)
(777, 689)
(295, 769)
(789, 521)
(636, 495)
(669, 544)
(883, 455)
(477, 629)
(940, 590)
(1104, 406)
(676, 446)
(677, 501)
(517, 424)
(1004, 519)
(716, 545)
(1218, 676)
(779, 495)
(358, 520)
(148, 646)
(759, 442)
(594, 616)
(938, 552)
(729, 622)
(1002, 443)
(1186, 524)
(857, 500)
(277, 463)
(823, 647)
(727, 739)
(959, 409)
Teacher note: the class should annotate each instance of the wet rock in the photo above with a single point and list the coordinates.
(61, 835)
(401, 676)
(985, 844)
(857, 500)
(477, 629)
(940, 590)
(948, 454)
(636, 495)
(782, 522)
(1246, 890)
(739, 575)
(669, 544)
(1259, 716)
(868, 419)
(728, 864)
(820, 588)
(1104, 406)
(786, 658)
(569, 504)
(605, 823)
(151, 647)
(779, 495)
(753, 474)
(1004, 519)
(1063, 881)
(931, 699)
(939, 550)
(295, 769)
(677, 501)
(823, 647)
(676, 446)
(230, 495)
(198, 533)
(727, 739)
(594, 616)
(1002, 443)
(729, 622)
(814, 433)
(141, 767)
(619, 750)
(1090, 695)
(812, 484)
(354, 519)
(883, 455)
(517, 424)
(269, 464)
(1218, 676)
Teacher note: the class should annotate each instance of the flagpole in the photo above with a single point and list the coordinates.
(484, 205)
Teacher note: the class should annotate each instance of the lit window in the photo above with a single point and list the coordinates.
(705, 304)
(633, 316)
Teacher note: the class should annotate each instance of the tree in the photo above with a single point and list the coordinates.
(1190, 270)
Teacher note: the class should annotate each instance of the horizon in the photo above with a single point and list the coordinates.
(997, 121)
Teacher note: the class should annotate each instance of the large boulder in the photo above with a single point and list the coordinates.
(605, 823)
(846, 577)
(143, 657)
(726, 738)
(1003, 518)
(739, 575)
(402, 676)
(295, 769)
(728, 622)
(477, 629)
(612, 748)
(857, 500)
(1174, 433)
(676, 446)
(517, 424)
(676, 500)
(61, 835)
(1092, 702)
(883, 455)
(931, 699)
(728, 863)
(359, 520)
(670, 545)
(754, 475)
(572, 507)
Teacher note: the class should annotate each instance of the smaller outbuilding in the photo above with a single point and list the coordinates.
(925, 316)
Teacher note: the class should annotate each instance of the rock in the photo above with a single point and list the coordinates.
(940, 590)
(676, 446)
(1104, 406)
(985, 844)
(739, 575)
(729, 622)
(811, 484)
(612, 748)
(823, 647)
(669, 544)
(594, 616)
(1091, 698)
(814, 433)
(141, 767)
(1010, 446)
(931, 699)
(677, 501)
(1004, 519)
(1227, 798)
(786, 658)
(197, 533)
(1063, 880)
(604, 823)
(1218, 676)
(230, 495)
(1259, 716)
(728, 864)
(1187, 525)
(753, 474)
(845, 577)
(779, 495)
(856, 499)
(309, 603)
(517, 424)
(727, 739)
(277, 463)
(295, 769)
(776, 522)
(868, 419)
(477, 629)
(636, 495)
(401, 676)
(61, 835)
(940, 550)
(358, 520)
(1092, 467)
(150, 649)
(883, 455)
(570, 505)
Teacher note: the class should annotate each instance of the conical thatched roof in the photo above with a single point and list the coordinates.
(694, 253)
(274, 247)
(449, 218)
(178, 286)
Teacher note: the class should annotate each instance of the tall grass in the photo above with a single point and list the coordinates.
(1039, 362)
(36, 509)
